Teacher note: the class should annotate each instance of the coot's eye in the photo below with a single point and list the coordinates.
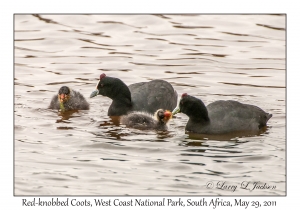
(181, 102)
(101, 85)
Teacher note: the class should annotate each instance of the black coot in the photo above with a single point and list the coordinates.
(68, 99)
(144, 96)
(144, 121)
(221, 117)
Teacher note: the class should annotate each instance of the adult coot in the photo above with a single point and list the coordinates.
(68, 99)
(144, 121)
(143, 96)
(221, 117)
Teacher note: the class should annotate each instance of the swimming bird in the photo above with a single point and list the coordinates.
(68, 99)
(143, 96)
(145, 121)
(221, 117)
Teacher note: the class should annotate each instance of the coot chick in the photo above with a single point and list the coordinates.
(221, 117)
(145, 121)
(68, 99)
(143, 96)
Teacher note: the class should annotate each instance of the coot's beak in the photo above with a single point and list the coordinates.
(62, 97)
(94, 93)
(167, 115)
(176, 110)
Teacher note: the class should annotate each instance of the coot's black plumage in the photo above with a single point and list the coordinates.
(144, 96)
(221, 117)
(145, 121)
(68, 99)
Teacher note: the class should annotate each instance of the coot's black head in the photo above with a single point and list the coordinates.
(192, 107)
(111, 87)
(64, 94)
(163, 116)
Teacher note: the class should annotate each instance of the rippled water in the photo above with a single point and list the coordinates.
(213, 57)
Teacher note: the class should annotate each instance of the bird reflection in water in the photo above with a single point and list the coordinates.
(66, 115)
(228, 136)
(114, 129)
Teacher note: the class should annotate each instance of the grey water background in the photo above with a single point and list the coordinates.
(213, 57)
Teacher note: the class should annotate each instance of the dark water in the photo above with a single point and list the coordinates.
(213, 57)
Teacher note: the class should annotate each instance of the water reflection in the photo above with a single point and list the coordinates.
(66, 116)
(228, 136)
